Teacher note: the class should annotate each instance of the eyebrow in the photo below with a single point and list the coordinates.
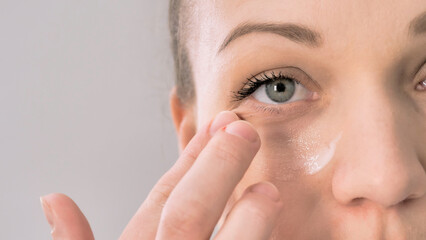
(295, 32)
(302, 34)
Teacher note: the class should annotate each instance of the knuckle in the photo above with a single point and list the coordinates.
(159, 194)
(189, 153)
(179, 220)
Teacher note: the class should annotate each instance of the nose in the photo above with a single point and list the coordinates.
(379, 155)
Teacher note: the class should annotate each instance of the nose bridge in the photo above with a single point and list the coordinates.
(377, 161)
(371, 116)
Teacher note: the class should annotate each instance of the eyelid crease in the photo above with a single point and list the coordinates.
(294, 68)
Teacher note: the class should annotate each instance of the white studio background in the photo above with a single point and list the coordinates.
(84, 110)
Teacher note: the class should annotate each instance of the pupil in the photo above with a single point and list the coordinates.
(280, 87)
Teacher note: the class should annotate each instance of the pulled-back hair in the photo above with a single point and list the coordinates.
(178, 20)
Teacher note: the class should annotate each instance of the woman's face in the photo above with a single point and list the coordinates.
(335, 90)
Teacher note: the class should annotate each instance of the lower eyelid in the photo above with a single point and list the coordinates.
(253, 109)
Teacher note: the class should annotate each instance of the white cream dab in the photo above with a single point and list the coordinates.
(317, 162)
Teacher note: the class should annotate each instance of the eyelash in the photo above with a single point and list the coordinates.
(253, 83)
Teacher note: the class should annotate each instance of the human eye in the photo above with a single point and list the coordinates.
(275, 87)
(421, 86)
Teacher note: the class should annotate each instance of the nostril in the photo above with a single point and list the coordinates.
(411, 198)
(384, 180)
(357, 201)
(408, 200)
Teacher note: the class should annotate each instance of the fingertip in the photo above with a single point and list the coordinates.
(65, 217)
(244, 130)
(222, 119)
(258, 209)
(266, 189)
(47, 210)
(58, 202)
(55, 197)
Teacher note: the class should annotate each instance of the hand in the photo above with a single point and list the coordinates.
(188, 201)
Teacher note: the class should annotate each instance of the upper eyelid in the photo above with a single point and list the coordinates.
(264, 77)
(287, 70)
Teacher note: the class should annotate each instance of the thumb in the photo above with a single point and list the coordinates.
(65, 218)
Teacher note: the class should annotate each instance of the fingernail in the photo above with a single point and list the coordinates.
(222, 119)
(47, 212)
(242, 129)
(267, 189)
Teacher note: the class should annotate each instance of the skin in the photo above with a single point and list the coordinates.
(366, 76)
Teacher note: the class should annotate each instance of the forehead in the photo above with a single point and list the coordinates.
(349, 20)
(353, 31)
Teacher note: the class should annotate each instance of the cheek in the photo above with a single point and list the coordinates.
(292, 151)
(278, 158)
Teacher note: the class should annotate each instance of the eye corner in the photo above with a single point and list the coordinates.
(314, 96)
(421, 86)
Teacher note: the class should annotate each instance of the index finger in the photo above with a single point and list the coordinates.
(197, 202)
(144, 223)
